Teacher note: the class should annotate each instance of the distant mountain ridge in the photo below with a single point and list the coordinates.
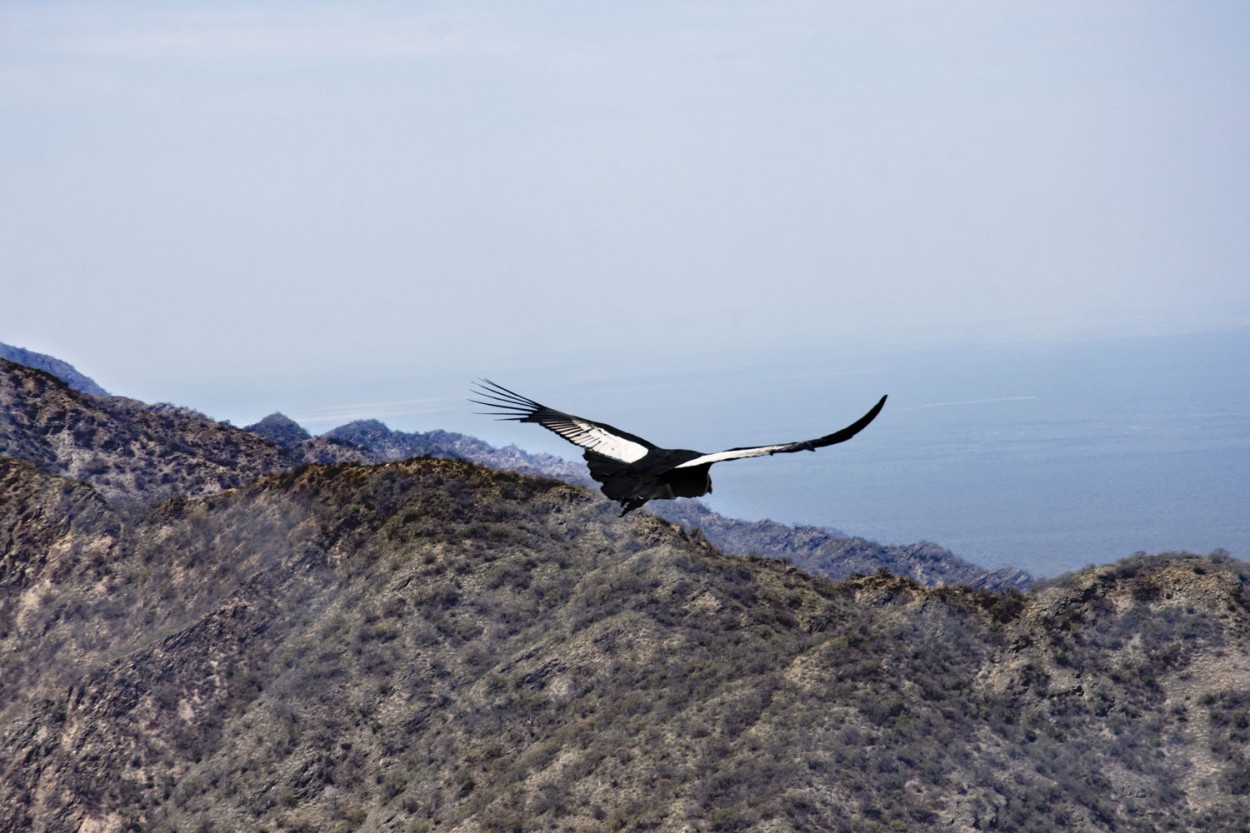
(400, 445)
(132, 451)
(819, 551)
(832, 553)
(280, 429)
(63, 370)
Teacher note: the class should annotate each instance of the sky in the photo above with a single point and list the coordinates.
(352, 209)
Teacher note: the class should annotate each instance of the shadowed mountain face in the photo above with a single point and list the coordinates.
(434, 645)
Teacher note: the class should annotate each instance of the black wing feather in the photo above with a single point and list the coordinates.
(785, 448)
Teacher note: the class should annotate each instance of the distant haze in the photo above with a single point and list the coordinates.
(293, 190)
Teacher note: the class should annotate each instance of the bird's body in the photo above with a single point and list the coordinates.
(632, 470)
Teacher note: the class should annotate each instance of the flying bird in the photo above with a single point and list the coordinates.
(632, 470)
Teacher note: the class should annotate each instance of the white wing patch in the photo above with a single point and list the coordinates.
(605, 440)
(735, 454)
(588, 435)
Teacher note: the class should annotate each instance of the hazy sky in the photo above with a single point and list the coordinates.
(245, 207)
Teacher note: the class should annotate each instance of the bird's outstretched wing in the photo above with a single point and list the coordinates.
(590, 435)
(783, 448)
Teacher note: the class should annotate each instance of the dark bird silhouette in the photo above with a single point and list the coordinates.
(632, 470)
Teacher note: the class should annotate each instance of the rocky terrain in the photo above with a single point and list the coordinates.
(434, 645)
(132, 451)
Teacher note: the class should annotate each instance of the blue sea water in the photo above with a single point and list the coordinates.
(1048, 457)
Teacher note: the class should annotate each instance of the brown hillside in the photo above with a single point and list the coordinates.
(430, 645)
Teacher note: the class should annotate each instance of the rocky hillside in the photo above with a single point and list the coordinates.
(130, 450)
(433, 645)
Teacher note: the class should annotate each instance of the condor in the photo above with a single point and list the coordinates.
(632, 470)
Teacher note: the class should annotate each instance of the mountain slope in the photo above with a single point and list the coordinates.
(63, 370)
(130, 450)
(433, 645)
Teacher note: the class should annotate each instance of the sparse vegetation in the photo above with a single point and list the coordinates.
(431, 645)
